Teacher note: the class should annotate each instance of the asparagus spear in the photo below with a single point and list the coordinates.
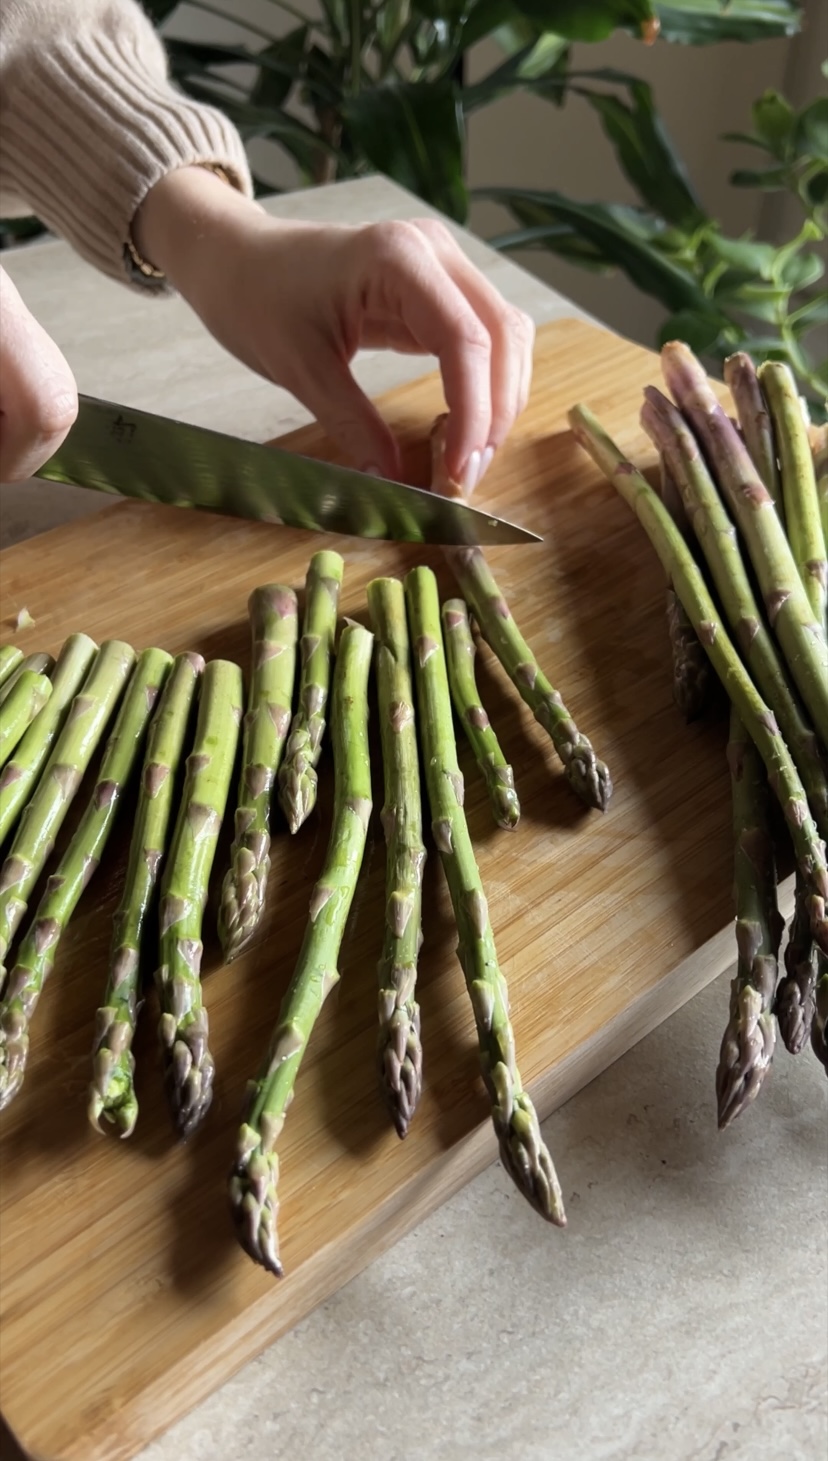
(587, 776)
(717, 538)
(183, 1029)
(31, 692)
(297, 774)
(63, 773)
(10, 658)
(399, 1050)
(38, 949)
(522, 1149)
(794, 1003)
(799, 488)
(819, 1026)
(820, 456)
(691, 667)
(802, 639)
(112, 1092)
(22, 772)
(255, 1173)
(758, 719)
(273, 620)
(497, 773)
(749, 1039)
(35, 664)
(755, 422)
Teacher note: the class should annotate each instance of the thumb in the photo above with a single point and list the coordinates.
(38, 395)
(344, 411)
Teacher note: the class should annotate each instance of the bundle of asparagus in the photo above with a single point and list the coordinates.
(752, 499)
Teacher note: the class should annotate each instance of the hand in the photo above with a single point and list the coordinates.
(38, 395)
(295, 301)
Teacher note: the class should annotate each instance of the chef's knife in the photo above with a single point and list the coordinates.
(135, 454)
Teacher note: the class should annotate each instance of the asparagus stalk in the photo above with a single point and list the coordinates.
(31, 692)
(755, 422)
(691, 667)
(522, 1149)
(799, 488)
(820, 456)
(273, 620)
(789, 610)
(587, 776)
(112, 1091)
(497, 773)
(758, 719)
(34, 664)
(38, 949)
(717, 538)
(62, 775)
(794, 1004)
(749, 1039)
(255, 1174)
(183, 1028)
(22, 772)
(819, 1026)
(297, 774)
(399, 1049)
(10, 658)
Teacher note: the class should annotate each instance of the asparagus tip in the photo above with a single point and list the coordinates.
(254, 1207)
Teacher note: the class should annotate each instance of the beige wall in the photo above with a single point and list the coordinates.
(701, 92)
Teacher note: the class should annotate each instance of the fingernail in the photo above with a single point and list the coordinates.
(485, 463)
(471, 476)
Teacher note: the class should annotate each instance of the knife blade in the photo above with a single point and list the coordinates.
(137, 454)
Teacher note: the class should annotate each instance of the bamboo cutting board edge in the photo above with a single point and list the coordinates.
(120, 1418)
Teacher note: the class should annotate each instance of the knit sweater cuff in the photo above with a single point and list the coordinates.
(90, 126)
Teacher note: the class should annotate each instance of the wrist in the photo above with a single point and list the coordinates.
(184, 217)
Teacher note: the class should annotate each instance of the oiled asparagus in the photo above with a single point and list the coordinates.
(31, 692)
(799, 488)
(754, 713)
(497, 773)
(399, 1049)
(717, 539)
(36, 955)
(794, 1003)
(62, 775)
(183, 1028)
(749, 1039)
(21, 774)
(112, 1091)
(755, 422)
(522, 1148)
(691, 667)
(297, 773)
(253, 1185)
(10, 658)
(35, 664)
(788, 607)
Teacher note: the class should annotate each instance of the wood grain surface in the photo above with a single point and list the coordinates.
(124, 1298)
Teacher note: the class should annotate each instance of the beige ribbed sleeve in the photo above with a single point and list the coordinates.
(89, 122)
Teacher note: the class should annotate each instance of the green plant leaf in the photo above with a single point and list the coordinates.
(704, 22)
(743, 253)
(302, 144)
(814, 312)
(773, 118)
(816, 188)
(800, 271)
(700, 331)
(539, 65)
(281, 67)
(575, 20)
(810, 136)
(769, 179)
(646, 154)
(625, 237)
(414, 134)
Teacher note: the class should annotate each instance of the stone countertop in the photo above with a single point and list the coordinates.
(684, 1314)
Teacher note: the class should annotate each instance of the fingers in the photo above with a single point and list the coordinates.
(511, 331)
(325, 385)
(418, 276)
(38, 395)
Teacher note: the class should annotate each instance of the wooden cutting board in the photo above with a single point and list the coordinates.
(124, 1297)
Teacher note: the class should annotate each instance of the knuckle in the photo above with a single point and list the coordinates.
(521, 327)
(434, 230)
(392, 240)
(52, 414)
